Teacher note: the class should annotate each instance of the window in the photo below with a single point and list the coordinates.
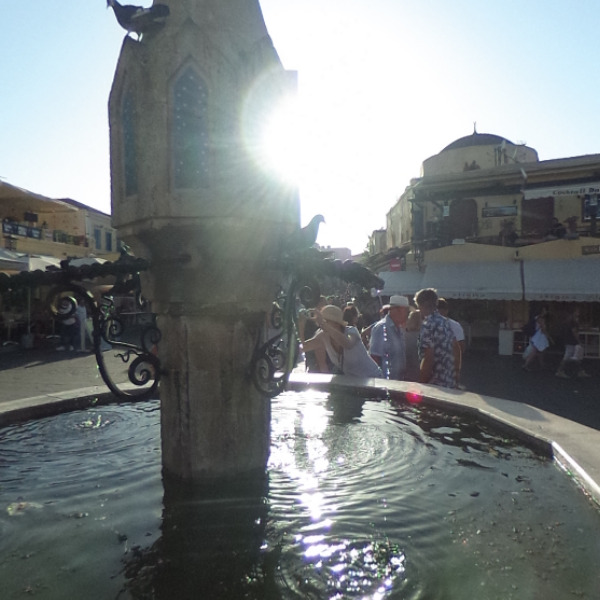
(108, 238)
(190, 131)
(98, 239)
(590, 207)
(129, 154)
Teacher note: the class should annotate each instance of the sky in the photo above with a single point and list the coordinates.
(383, 85)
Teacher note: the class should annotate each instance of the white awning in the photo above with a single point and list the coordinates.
(10, 261)
(497, 280)
(9, 266)
(401, 282)
(86, 260)
(567, 280)
(13, 197)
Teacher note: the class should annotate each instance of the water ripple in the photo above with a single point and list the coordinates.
(366, 499)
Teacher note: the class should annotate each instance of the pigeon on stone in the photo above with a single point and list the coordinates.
(305, 238)
(137, 19)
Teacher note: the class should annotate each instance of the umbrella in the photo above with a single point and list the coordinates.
(38, 262)
(10, 262)
(33, 263)
(86, 260)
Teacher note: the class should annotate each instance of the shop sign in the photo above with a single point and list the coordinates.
(499, 211)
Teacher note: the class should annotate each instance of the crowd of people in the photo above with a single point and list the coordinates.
(409, 342)
(417, 341)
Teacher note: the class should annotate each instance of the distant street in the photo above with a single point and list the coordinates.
(29, 373)
(487, 373)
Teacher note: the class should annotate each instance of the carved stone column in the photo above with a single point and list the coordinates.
(191, 194)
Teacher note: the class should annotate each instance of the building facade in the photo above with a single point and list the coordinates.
(61, 228)
(498, 231)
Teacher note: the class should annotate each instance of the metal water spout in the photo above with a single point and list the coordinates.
(190, 195)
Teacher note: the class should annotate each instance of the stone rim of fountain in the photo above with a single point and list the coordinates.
(566, 442)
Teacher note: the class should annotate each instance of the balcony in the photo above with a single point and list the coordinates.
(25, 238)
(439, 234)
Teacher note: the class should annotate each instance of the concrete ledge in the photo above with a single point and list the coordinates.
(575, 447)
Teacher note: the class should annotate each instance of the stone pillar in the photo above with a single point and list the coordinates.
(191, 194)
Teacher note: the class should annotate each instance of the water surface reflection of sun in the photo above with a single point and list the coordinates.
(306, 457)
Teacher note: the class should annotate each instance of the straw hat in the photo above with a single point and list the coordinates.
(333, 314)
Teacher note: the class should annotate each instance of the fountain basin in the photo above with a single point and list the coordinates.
(568, 442)
(365, 498)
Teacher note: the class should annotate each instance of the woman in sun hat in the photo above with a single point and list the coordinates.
(342, 343)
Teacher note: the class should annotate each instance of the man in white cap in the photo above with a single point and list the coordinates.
(388, 346)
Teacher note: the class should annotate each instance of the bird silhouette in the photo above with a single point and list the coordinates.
(304, 238)
(137, 19)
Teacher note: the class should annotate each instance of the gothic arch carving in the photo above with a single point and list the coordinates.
(189, 130)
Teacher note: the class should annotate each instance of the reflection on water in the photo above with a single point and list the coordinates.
(363, 499)
(89, 485)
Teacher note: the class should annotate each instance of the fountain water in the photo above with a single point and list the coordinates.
(364, 498)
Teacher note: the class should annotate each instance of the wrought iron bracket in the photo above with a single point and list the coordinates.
(110, 333)
(275, 358)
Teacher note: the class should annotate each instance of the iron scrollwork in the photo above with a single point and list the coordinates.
(111, 336)
(133, 343)
(275, 358)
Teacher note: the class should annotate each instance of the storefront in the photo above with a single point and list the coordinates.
(494, 290)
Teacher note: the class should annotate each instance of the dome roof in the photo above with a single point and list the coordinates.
(477, 139)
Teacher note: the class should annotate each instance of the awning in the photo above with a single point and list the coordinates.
(570, 280)
(9, 266)
(476, 280)
(15, 263)
(35, 263)
(10, 262)
(401, 282)
(16, 198)
(86, 260)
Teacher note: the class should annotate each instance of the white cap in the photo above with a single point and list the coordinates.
(399, 301)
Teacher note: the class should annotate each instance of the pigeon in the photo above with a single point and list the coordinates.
(305, 238)
(137, 19)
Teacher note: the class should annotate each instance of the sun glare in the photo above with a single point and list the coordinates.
(284, 142)
(307, 142)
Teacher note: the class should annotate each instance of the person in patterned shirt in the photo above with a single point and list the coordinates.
(438, 348)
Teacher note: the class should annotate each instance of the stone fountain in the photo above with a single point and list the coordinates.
(190, 195)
